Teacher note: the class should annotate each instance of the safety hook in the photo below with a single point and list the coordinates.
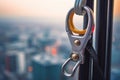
(78, 42)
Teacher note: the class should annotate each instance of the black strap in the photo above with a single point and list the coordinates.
(92, 52)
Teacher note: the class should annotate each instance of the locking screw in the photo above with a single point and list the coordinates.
(74, 56)
(77, 42)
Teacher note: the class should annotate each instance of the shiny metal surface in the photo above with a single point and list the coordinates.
(83, 42)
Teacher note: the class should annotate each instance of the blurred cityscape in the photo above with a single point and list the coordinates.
(36, 51)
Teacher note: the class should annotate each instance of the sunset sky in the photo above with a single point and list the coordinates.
(117, 7)
(35, 8)
(40, 8)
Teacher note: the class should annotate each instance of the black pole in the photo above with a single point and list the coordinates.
(104, 37)
(85, 69)
(101, 28)
(109, 38)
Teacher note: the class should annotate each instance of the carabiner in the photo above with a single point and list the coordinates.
(78, 42)
(78, 7)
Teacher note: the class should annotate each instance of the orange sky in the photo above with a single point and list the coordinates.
(117, 7)
(41, 8)
(35, 8)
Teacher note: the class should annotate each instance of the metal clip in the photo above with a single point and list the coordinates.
(78, 42)
(78, 7)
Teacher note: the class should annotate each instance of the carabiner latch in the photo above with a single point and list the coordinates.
(78, 7)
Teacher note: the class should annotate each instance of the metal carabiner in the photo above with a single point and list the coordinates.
(78, 7)
(78, 42)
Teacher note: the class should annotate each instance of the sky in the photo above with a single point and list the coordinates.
(117, 7)
(35, 8)
(38, 8)
(43, 9)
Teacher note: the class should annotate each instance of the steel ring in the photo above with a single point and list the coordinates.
(71, 25)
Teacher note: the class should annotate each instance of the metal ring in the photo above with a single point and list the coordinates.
(73, 70)
(71, 25)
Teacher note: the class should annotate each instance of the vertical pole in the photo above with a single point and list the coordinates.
(109, 38)
(101, 28)
(85, 69)
(104, 37)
